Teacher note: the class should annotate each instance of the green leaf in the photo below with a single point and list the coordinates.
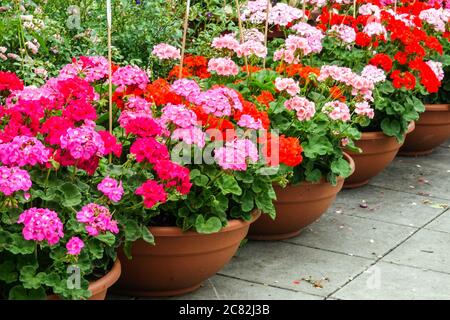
(95, 248)
(247, 201)
(71, 195)
(391, 127)
(147, 236)
(132, 231)
(313, 175)
(20, 293)
(107, 238)
(29, 278)
(316, 146)
(212, 225)
(8, 272)
(228, 184)
(219, 204)
(265, 203)
(20, 246)
(341, 168)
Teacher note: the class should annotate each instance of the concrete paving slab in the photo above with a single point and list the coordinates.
(396, 282)
(440, 159)
(225, 288)
(442, 223)
(294, 267)
(386, 205)
(425, 181)
(426, 249)
(353, 235)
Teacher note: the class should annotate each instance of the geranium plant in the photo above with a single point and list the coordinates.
(72, 191)
(404, 53)
(55, 222)
(322, 108)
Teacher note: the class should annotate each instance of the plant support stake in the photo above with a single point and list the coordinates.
(241, 32)
(109, 26)
(267, 30)
(183, 45)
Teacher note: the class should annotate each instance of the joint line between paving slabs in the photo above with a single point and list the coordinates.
(270, 285)
(327, 250)
(388, 252)
(416, 267)
(408, 192)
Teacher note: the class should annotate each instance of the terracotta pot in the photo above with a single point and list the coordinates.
(297, 207)
(100, 287)
(180, 261)
(378, 151)
(432, 130)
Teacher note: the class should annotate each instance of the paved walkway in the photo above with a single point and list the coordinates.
(388, 240)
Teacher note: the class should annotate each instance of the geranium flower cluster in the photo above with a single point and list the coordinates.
(111, 188)
(23, 151)
(223, 67)
(41, 224)
(281, 14)
(235, 153)
(382, 29)
(166, 52)
(90, 69)
(252, 45)
(14, 179)
(97, 219)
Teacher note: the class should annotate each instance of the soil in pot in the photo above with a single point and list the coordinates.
(180, 261)
(99, 288)
(378, 151)
(297, 207)
(432, 129)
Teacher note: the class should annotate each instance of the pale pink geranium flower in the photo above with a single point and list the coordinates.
(223, 67)
(166, 52)
(345, 33)
(364, 109)
(226, 41)
(285, 55)
(304, 108)
(337, 110)
(437, 68)
(251, 47)
(192, 135)
(235, 153)
(287, 84)
(247, 121)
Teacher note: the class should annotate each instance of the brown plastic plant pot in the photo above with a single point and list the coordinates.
(180, 261)
(297, 207)
(432, 129)
(378, 151)
(99, 288)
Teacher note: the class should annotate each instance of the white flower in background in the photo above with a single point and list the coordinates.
(41, 72)
(437, 68)
(33, 46)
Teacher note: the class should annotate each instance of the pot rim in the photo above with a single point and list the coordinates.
(351, 161)
(379, 135)
(437, 107)
(232, 225)
(107, 280)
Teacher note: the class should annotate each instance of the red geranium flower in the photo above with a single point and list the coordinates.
(382, 60)
(10, 81)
